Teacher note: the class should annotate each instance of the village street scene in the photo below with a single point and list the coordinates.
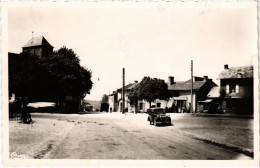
(96, 85)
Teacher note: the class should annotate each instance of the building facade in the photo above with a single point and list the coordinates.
(180, 101)
(181, 93)
(236, 88)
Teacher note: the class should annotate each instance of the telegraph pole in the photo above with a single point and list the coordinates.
(191, 94)
(123, 92)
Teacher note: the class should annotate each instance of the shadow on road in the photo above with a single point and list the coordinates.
(161, 125)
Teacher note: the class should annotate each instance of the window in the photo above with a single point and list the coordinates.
(158, 104)
(227, 89)
(232, 89)
(237, 88)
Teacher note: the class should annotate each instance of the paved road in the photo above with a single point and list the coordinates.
(117, 136)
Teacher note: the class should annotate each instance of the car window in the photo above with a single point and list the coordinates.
(158, 111)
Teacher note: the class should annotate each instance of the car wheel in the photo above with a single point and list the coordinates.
(170, 122)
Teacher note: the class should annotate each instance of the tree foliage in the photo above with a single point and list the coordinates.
(57, 75)
(69, 78)
(149, 89)
(28, 77)
(104, 99)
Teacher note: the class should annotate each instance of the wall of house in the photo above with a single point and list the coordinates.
(246, 91)
(34, 50)
(170, 103)
(245, 86)
(164, 103)
(111, 106)
(40, 51)
(46, 51)
(115, 102)
(145, 105)
(127, 106)
(187, 94)
(203, 92)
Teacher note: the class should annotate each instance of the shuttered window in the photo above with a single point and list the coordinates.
(227, 89)
(237, 88)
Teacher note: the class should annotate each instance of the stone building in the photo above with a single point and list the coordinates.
(38, 46)
(236, 88)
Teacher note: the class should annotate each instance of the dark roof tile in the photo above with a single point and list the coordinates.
(237, 72)
(185, 86)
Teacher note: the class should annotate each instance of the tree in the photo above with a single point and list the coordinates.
(104, 99)
(149, 89)
(68, 77)
(104, 103)
(55, 76)
(133, 96)
(28, 77)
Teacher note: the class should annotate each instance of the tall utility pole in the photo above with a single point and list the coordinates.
(191, 94)
(123, 92)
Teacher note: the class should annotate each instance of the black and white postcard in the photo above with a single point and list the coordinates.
(130, 84)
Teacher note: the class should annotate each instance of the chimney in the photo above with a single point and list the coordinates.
(136, 81)
(226, 66)
(205, 78)
(171, 80)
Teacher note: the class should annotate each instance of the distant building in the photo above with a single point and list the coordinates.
(38, 46)
(179, 102)
(113, 101)
(181, 93)
(118, 102)
(236, 87)
(212, 103)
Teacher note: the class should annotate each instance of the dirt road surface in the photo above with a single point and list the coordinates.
(108, 136)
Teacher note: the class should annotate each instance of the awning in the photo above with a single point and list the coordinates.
(233, 97)
(180, 98)
(205, 101)
(214, 92)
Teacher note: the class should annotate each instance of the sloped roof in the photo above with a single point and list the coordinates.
(128, 87)
(132, 86)
(184, 86)
(214, 92)
(237, 72)
(114, 93)
(206, 101)
(37, 41)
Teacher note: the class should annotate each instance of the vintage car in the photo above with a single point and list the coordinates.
(158, 116)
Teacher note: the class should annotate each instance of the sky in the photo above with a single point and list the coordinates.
(155, 40)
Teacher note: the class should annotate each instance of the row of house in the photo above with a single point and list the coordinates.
(235, 94)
